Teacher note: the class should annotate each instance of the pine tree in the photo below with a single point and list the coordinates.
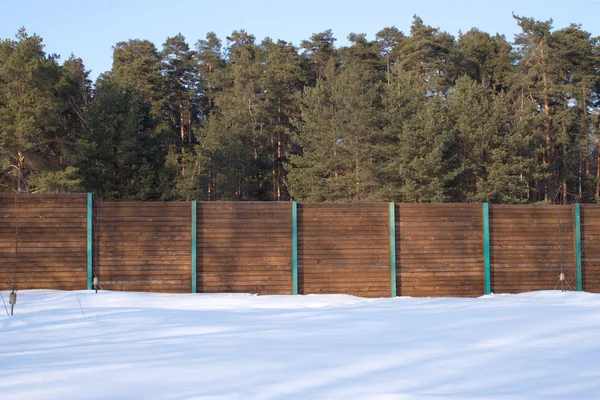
(210, 65)
(486, 59)
(283, 80)
(180, 88)
(387, 41)
(428, 53)
(537, 81)
(578, 82)
(318, 51)
(492, 156)
(121, 159)
(337, 131)
(233, 138)
(30, 111)
(137, 65)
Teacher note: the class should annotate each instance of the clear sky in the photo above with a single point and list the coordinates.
(89, 29)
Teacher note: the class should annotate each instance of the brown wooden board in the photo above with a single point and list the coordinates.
(142, 246)
(344, 248)
(590, 247)
(542, 247)
(52, 237)
(439, 250)
(244, 247)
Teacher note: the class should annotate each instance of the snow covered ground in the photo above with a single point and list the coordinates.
(111, 345)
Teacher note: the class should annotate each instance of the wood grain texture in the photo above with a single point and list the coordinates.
(590, 247)
(244, 247)
(439, 250)
(530, 246)
(344, 248)
(52, 250)
(142, 246)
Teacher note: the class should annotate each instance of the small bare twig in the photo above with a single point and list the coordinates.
(6, 308)
(81, 308)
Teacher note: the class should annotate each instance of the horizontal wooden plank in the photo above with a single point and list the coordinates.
(231, 268)
(44, 232)
(47, 255)
(242, 287)
(378, 276)
(25, 246)
(43, 221)
(449, 287)
(243, 205)
(216, 280)
(244, 264)
(444, 251)
(152, 266)
(102, 225)
(471, 242)
(382, 217)
(434, 274)
(340, 206)
(223, 231)
(142, 247)
(51, 286)
(280, 274)
(439, 212)
(440, 235)
(9, 213)
(266, 259)
(143, 204)
(346, 230)
(100, 233)
(315, 287)
(344, 246)
(44, 224)
(139, 276)
(411, 265)
(30, 199)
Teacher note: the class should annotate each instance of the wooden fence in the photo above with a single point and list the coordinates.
(365, 249)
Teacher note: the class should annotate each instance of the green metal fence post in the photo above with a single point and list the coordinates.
(486, 248)
(294, 248)
(577, 229)
(89, 241)
(392, 224)
(194, 218)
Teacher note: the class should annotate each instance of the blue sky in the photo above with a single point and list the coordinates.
(90, 29)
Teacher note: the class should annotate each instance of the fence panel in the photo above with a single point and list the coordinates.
(530, 246)
(344, 248)
(439, 248)
(244, 247)
(52, 249)
(590, 248)
(143, 246)
(247, 246)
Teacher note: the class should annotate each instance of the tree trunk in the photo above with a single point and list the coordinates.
(181, 122)
(356, 170)
(548, 153)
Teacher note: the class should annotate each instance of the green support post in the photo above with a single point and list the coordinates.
(486, 248)
(89, 240)
(392, 224)
(577, 229)
(194, 219)
(294, 248)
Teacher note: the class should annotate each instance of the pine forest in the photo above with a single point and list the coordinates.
(418, 116)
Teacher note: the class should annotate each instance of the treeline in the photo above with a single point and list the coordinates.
(412, 117)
